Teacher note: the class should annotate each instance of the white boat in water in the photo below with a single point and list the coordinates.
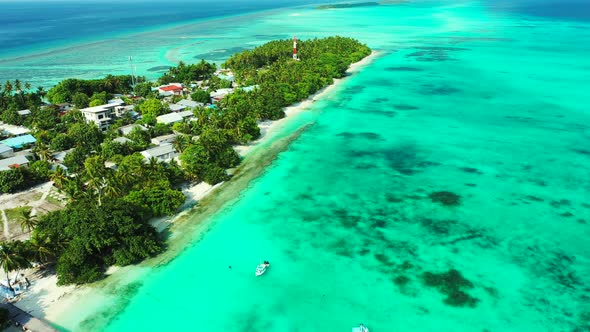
(261, 268)
(361, 328)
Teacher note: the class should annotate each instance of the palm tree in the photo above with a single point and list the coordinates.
(124, 175)
(42, 150)
(8, 88)
(74, 187)
(94, 174)
(59, 177)
(11, 259)
(113, 187)
(19, 89)
(109, 82)
(17, 85)
(27, 220)
(97, 184)
(181, 143)
(202, 114)
(41, 92)
(41, 248)
(27, 86)
(153, 168)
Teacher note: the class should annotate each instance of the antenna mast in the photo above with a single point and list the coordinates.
(132, 75)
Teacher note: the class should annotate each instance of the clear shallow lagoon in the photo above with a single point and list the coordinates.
(488, 104)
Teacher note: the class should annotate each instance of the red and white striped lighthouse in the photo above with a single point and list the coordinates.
(295, 48)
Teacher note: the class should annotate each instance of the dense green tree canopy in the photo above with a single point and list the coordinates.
(208, 158)
(66, 89)
(80, 100)
(159, 199)
(96, 237)
(184, 73)
(61, 142)
(151, 106)
(201, 96)
(11, 180)
(85, 135)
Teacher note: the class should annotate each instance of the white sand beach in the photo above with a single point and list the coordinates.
(268, 128)
(46, 300)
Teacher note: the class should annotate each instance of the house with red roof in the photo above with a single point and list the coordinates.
(171, 89)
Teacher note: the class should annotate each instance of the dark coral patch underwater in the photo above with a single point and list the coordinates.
(452, 284)
(445, 198)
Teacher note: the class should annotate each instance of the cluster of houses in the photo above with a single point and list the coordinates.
(181, 111)
(163, 149)
(14, 150)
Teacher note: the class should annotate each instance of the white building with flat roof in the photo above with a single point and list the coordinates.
(102, 115)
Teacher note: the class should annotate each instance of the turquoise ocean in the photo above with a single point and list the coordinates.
(482, 100)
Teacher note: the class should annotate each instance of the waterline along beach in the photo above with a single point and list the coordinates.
(441, 185)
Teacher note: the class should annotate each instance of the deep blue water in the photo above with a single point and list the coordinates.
(29, 26)
(558, 9)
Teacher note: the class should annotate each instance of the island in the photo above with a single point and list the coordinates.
(120, 148)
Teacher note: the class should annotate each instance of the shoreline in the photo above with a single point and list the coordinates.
(269, 128)
(46, 300)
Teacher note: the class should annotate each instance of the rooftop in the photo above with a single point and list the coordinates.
(170, 88)
(24, 112)
(122, 140)
(158, 151)
(170, 118)
(61, 155)
(220, 93)
(186, 114)
(19, 141)
(13, 130)
(127, 108)
(176, 107)
(250, 88)
(126, 130)
(164, 138)
(5, 148)
(99, 108)
(12, 161)
(116, 101)
(189, 103)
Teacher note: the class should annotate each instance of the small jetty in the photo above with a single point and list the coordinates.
(26, 320)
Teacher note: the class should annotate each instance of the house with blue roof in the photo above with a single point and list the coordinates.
(18, 142)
